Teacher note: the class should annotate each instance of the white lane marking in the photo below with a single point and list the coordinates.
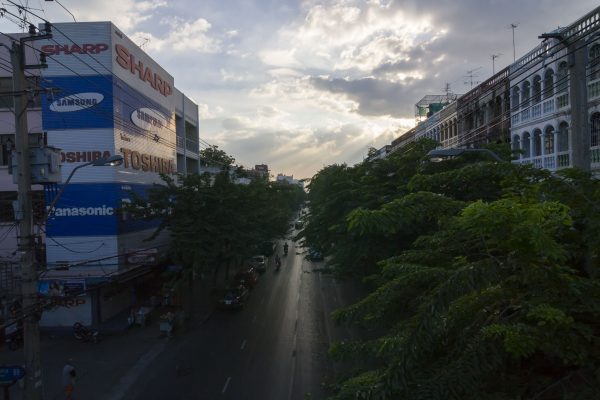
(226, 384)
(134, 373)
(243, 345)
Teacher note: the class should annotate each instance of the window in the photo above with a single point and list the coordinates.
(516, 143)
(549, 83)
(537, 89)
(549, 140)
(563, 137)
(595, 129)
(526, 145)
(32, 85)
(526, 91)
(516, 94)
(7, 143)
(594, 62)
(562, 77)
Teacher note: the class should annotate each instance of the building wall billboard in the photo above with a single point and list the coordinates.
(82, 48)
(78, 102)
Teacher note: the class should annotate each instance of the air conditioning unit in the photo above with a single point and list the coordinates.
(44, 165)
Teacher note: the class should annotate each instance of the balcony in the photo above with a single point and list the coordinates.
(594, 89)
(562, 101)
(190, 145)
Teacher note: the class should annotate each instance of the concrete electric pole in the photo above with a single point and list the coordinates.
(24, 213)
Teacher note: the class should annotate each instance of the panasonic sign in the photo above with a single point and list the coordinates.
(76, 102)
(83, 211)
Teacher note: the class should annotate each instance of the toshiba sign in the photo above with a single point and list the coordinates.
(128, 62)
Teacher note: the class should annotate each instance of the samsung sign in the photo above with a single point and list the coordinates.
(149, 119)
(76, 102)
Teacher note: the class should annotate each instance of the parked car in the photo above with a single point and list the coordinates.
(314, 255)
(235, 297)
(247, 277)
(259, 263)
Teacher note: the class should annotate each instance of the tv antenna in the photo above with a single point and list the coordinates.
(513, 26)
(470, 75)
(146, 40)
(493, 57)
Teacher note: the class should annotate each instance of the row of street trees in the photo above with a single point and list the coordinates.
(215, 221)
(483, 277)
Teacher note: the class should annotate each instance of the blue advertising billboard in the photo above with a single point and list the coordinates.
(94, 209)
(79, 102)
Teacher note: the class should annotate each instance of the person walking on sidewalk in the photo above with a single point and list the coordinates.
(68, 379)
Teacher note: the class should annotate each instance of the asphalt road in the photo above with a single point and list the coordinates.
(274, 348)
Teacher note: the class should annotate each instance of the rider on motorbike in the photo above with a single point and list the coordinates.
(285, 249)
(277, 261)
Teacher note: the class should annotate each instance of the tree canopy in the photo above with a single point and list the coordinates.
(483, 276)
(215, 221)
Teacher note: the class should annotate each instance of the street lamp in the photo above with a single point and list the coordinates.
(440, 154)
(111, 161)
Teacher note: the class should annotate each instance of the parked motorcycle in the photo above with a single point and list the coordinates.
(84, 334)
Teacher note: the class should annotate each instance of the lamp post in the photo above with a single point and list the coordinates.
(111, 161)
(440, 154)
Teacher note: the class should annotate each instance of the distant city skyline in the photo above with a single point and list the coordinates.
(299, 85)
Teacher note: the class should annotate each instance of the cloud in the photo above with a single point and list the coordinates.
(182, 36)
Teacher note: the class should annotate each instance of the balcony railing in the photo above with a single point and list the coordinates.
(536, 111)
(514, 119)
(191, 145)
(525, 115)
(594, 89)
(548, 106)
(562, 100)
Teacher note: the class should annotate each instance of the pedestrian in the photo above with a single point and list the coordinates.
(68, 379)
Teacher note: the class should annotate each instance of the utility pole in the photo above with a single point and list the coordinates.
(24, 213)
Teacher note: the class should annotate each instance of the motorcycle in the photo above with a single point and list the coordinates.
(84, 334)
(285, 249)
(277, 264)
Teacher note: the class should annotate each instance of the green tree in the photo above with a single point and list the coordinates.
(483, 278)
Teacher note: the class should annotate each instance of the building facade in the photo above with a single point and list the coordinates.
(108, 98)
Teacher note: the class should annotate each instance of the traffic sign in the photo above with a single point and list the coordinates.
(11, 373)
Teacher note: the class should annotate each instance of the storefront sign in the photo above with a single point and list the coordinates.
(82, 156)
(76, 102)
(127, 61)
(62, 288)
(146, 162)
(67, 49)
(145, 257)
(10, 374)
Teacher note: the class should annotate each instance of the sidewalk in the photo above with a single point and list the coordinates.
(105, 370)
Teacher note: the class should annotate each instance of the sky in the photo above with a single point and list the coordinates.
(303, 84)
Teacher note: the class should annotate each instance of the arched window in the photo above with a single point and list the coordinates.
(526, 145)
(525, 95)
(563, 136)
(562, 77)
(537, 89)
(549, 140)
(548, 83)
(594, 62)
(537, 143)
(498, 106)
(595, 129)
(516, 143)
(516, 97)
(454, 128)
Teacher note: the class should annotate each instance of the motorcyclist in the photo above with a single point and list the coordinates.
(285, 248)
(277, 261)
